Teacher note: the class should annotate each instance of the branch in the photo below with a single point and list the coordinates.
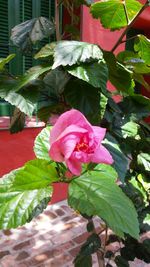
(58, 36)
(129, 26)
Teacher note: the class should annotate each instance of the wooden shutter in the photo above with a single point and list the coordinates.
(13, 12)
(4, 36)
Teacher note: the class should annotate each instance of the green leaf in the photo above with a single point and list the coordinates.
(120, 160)
(56, 80)
(26, 106)
(96, 194)
(46, 51)
(144, 160)
(83, 261)
(119, 76)
(31, 75)
(130, 129)
(142, 47)
(35, 174)
(95, 74)
(133, 62)
(4, 61)
(72, 52)
(115, 14)
(140, 79)
(23, 190)
(147, 219)
(121, 262)
(138, 107)
(103, 105)
(84, 97)
(42, 144)
(31, 31)
(17, 121)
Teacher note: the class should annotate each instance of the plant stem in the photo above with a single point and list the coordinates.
(99, 253)
(58, 36)
(129, 26)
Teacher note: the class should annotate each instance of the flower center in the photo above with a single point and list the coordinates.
(82, 147)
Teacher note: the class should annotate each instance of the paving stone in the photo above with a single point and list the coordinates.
(59, 261)
(59, 212)
(50, 214)
(81, 238)
(22, 255)
(22, 245)
(74, 251)
(4, 253)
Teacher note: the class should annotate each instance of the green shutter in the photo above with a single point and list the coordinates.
(26, 14)
(4, 38)
(13, 12)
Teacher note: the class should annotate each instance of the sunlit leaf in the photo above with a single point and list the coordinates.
(142, 47)
(115, 14)
(23, 190)
(72, 52)
(95, 73)
(100, 195)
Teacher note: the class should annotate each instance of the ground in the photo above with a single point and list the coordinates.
(50, 240)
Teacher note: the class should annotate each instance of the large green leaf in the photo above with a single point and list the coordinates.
(115, 14)
(96, 194)
(72, 52)
(119, 75)
(42, 144)
(4, 61)
(120, 160)
(31, 31)
(84, 97)
(142, 47)
(95, 73)
(23, 191)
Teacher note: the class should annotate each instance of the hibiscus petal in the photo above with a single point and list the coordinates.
(68, 144)
(102, 155)
(62, 149)
(72, 129)
(99, 133)
(82, 156)
(55, 152)
(74, 166)
(66, 119)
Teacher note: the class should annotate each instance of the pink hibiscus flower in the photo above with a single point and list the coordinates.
(74, 140)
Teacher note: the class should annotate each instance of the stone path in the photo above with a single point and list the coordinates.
(50, 240)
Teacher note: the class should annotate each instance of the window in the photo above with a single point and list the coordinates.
(13, 12)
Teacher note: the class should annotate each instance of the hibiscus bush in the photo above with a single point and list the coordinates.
(100, 148)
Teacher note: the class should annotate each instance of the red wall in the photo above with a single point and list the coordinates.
(93, 32)
(17, 149)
